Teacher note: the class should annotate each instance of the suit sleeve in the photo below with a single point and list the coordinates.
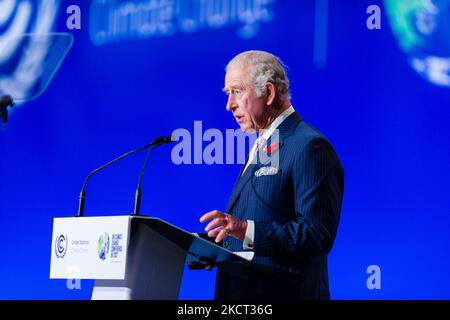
(318, 185)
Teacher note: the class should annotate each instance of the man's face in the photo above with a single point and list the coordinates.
(247, 108)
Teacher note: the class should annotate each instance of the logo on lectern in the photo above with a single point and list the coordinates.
(61, 246)
(103, 246)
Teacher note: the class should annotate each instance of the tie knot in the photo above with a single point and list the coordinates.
(260, 142)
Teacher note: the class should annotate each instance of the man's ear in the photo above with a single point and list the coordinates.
(271, 93)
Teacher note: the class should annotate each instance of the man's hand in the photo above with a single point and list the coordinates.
(225, 225)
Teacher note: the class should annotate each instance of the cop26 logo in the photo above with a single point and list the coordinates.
(103, 246)
(20, 69)
(61, 246)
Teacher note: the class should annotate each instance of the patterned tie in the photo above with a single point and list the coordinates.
(258, 144)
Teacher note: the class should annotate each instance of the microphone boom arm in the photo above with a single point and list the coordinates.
(137, 198)
(82, 196)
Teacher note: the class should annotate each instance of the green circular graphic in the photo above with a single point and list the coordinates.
(422, 28)
(103, 246)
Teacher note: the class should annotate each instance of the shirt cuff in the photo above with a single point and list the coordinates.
(249, 235)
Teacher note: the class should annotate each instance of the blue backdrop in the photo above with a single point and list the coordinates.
(140, 69)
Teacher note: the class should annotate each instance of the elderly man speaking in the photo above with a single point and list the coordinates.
(288, 214)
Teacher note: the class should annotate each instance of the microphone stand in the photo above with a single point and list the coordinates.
(155, 143)
(82, 196)
(137, 198)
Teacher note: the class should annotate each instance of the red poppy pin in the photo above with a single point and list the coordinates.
(272, 148)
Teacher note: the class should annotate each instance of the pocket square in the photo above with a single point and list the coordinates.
(266, 171)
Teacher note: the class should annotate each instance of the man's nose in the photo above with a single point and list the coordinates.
(231, 104)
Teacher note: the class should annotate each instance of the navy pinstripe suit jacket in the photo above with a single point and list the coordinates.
(296, 213)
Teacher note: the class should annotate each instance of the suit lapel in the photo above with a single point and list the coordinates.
(286, 128)
(240, 183)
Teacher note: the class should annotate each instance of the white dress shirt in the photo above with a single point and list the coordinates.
(260, 142)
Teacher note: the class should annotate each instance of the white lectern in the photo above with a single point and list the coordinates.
(130, 257)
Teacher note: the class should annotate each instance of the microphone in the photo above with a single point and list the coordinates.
(137, 197)
(156, 142)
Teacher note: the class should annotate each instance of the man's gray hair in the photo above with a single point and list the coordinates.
(263, 67)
